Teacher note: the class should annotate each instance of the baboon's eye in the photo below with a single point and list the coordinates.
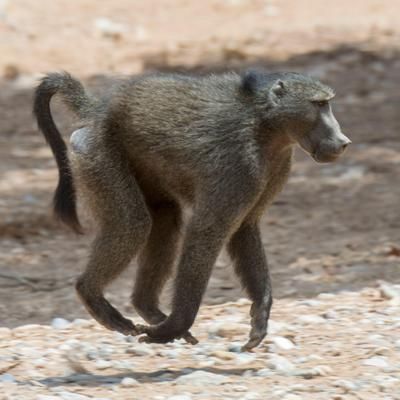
(321, 103)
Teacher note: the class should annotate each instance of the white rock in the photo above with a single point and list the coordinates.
(326, 296)
(180, 397)
(292, 396)
(103, 364)
(142, 351)
(379, 362)
(311, 319)
(245, 358)
(82, 323)
(239, 388)
(251, 396)
(201, 378)
(109, 28)
(264, 372)
(283, 343)
(60, 323)
(73, 396)
(280, 363)
(348, 386)
(129, 382)
(40, 362)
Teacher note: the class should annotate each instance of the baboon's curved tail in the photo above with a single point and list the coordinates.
(74, 96)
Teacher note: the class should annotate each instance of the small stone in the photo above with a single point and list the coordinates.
(379, 362)
(245, 358)
(140, 351)
(326, 296)
(82, 323)
(239, 388)
(251, 396)
(264, 372)
(129, 382)
(40, 363)
(283, 343)
(11, 72)
(108, 28)
(60, 323)
(102, 364)
(348, 386)
(292, 396)
(391, 293)
(201, 378)
(280, 363)
(229, 330)
(311, 319)
(7, 378)
(73, 396)
(223, 355)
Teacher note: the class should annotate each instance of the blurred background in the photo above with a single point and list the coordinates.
(335, 227)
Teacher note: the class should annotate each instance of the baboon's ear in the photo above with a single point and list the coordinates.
(276, 91)
(278, 88)
(250, 82)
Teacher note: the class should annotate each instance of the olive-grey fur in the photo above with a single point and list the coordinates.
(159, 145)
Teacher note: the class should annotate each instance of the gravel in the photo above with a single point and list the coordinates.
(340, 347)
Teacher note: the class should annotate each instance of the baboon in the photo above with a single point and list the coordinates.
(174, 167)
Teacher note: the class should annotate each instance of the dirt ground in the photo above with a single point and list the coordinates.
(334, 227)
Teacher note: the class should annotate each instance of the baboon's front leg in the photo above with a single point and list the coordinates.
(200, 250)
(250, 263)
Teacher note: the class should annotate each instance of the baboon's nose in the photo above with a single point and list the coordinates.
(344, 145)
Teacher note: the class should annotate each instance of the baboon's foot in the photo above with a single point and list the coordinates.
(156, 334)
(155, 316)
(108, 316)
(259, 324)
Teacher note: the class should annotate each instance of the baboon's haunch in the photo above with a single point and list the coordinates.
(158, 145)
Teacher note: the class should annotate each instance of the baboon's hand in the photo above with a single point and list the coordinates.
(155, 336)
(259, 324)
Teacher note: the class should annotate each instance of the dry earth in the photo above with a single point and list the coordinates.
(334, 227)
(324, 348)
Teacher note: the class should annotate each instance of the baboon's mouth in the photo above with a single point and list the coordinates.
(324, 158)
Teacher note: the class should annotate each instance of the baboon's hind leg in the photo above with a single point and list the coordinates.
(124, 224)
(156, 263)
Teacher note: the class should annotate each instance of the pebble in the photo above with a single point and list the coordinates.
(60, 323)
(292, 396)
(229, 330)
(311, 319)
(280, 363)
(7, 378)
(264, 372)
(129, 382)
(103, 364)
(83, 323)
(73, 396)
(348, 386)
(283, 343)
(143, 351)
(224, 355)
(245, 358)
(379, 362)
(200, 378)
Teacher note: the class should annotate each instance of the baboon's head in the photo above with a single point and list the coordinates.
(298, 106)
